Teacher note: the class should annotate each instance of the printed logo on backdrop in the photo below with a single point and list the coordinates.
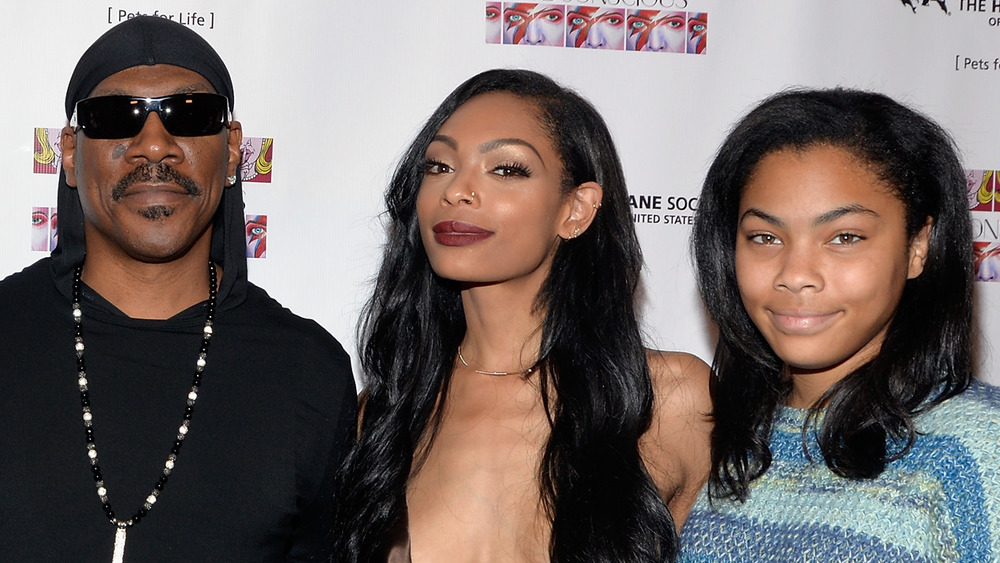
(662, 210)
(989, 8)
(257, 159)
(914, 3)
(47, 155)
(117, 15)
(982, 197)
(44, 232)
(649, 25)
(256, 234)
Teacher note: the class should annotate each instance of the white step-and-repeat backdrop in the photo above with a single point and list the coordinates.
(330, 93)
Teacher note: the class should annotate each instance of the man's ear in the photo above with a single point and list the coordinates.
(68, 139)
(234, 140)
(581, 207)
(919, 247)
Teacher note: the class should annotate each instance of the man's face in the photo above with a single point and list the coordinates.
(150, 197)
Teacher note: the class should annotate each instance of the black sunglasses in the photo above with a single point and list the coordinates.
(121, 117)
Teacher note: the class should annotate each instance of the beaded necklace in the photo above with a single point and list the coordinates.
(122, 526)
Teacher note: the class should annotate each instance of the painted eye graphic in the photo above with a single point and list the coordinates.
(638, 25)
(492, 13)
(554, 17)
(674, 24)
(698, 27)
(38, 219)
(577, 20)
(256, 230)
(514, 18)
(614, 20)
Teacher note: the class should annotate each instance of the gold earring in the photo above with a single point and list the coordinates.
(576, 233)
(230, 180)
(597, 206)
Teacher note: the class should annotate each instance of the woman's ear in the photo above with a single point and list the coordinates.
(581, 208)
(919, 247)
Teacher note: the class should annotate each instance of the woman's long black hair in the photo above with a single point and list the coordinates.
(603, 505)
(926, 356)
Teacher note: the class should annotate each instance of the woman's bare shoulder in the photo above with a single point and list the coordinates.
(676, 448)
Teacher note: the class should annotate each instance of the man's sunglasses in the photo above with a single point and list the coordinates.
(121, 117)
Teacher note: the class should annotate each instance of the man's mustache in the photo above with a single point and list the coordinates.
(160, 172)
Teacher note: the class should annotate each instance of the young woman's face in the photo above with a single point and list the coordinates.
(490, 207)
(822, 257)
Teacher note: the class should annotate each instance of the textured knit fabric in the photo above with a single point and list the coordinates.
(940, 502)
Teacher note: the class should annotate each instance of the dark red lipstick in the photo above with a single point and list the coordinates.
(457, 233)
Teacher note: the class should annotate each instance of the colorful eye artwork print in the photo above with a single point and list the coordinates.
(653, 30)
(589, 27)
(256, 234)
(534, 24)
(494, 23)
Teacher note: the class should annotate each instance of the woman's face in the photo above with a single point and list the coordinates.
(822, 257)
(490, 207)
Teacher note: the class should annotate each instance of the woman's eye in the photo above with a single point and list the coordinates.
(765, 238)
(434, 167)
(508, 170)
(847, 238)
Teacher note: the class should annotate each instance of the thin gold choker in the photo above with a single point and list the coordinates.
(494, 373)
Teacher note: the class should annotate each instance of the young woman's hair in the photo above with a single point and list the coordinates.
(868, 417)
(594, 380)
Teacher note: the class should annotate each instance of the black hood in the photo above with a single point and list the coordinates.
(150, 40)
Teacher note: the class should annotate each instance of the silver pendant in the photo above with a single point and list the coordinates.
(119, 555)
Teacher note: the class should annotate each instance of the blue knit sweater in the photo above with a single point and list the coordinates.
(940, 502)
